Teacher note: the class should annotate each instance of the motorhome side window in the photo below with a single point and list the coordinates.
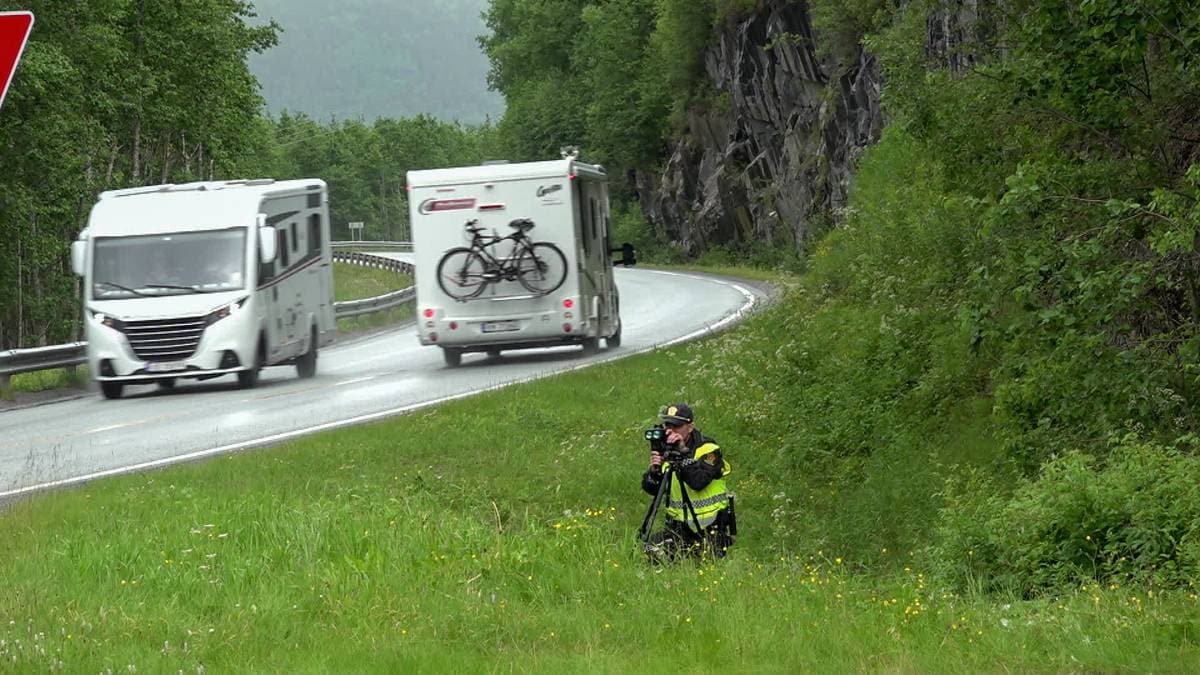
(314, 234)
(583, 227)
(283, 249)
(593, 210)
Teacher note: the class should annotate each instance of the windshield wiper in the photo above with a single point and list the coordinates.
(194, 289)
(171, 286)
(120, 287)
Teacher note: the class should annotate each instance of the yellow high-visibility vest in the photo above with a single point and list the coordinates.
(707, 502)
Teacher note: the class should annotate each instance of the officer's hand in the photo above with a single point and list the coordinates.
(674, 438)
(656, 461)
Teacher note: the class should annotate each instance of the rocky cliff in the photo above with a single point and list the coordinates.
(773, 157)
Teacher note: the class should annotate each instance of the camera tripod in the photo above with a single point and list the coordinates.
(651, 548)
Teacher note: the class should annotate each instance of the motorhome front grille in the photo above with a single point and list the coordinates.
(165, 339)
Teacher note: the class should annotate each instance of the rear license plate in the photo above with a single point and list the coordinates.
(500, 326)
(165, 366)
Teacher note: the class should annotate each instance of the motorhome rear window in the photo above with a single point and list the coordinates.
(176, 263)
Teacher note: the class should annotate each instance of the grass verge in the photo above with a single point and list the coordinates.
(497, 532)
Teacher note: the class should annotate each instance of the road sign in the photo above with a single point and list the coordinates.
(14, 31)
(356, 236)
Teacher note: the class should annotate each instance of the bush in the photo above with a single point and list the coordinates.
(1131, 518)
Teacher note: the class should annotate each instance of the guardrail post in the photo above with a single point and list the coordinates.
(5, 381)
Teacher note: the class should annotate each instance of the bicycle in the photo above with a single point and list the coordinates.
(464, 272)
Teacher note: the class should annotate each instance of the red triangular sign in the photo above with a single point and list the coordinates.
(14, 31)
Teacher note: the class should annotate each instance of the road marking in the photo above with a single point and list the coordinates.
(356, 380)
(114, 426)
(750, 301)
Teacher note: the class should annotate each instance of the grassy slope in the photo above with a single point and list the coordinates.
(497, 532)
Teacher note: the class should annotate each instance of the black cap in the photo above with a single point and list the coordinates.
(676, 413)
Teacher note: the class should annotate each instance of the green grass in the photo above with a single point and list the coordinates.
(43, 380)
(355, 282)
(498, 533)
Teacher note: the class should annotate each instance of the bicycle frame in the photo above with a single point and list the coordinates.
(507, 266)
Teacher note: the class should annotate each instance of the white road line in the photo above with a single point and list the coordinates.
(111, 427)
(750, 298)
(355, 380)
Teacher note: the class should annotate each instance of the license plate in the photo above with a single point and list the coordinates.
(500, 326)
(165, 366)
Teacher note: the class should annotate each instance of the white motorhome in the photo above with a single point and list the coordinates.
(563, 203)
(201, 280)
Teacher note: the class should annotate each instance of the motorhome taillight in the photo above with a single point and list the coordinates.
(568, 303)
(428, 313)
(433, 337)
(491, 207)
(566, 328)
(453, 325)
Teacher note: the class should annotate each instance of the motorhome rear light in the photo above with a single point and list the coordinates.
(428, 313)
(433, 337)
(568, 315)
(491, 207)
(570, 176)
(453, 325)
(429, 324)
(566, 328)
(568, 303)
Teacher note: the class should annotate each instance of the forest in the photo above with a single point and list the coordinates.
(121, 93)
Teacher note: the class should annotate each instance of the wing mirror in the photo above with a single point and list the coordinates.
(628, 254)
(268, 243)
(79, 257)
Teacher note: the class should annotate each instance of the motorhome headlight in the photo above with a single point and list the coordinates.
(224, 311)
(107, 320)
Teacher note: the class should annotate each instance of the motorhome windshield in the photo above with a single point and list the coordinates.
(178, 263)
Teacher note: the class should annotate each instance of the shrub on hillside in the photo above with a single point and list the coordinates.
(1132, 517)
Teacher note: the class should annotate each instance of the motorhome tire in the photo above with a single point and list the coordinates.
(613, 341)
(248, 379)
(591, 346)
(306, 365)
(111, 390)
(452, 356)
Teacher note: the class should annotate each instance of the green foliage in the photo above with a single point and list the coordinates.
(612, 76)
(111, 94)
(365, 164)
(1128, 518)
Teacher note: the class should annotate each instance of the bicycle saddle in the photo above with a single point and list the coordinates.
(473, 226)
(522, 224)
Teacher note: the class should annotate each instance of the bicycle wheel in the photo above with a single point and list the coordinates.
(460, 273)
(541, 268)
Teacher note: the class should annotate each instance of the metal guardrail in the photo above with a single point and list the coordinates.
(404, 245)
(74, 354)
(15, 361)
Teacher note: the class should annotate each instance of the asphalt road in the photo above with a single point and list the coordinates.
(370, 378)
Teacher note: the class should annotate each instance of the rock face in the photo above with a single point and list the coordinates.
(772, 161)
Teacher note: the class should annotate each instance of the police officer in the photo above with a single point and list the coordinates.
(699, 508)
